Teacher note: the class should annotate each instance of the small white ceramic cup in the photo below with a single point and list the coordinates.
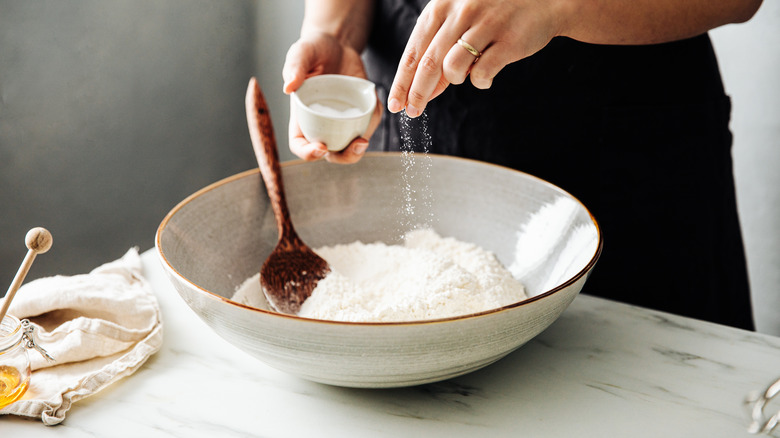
(334, 109)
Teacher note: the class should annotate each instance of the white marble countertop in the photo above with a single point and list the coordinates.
(603, 369)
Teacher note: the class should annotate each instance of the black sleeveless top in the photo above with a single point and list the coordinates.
(638, 133)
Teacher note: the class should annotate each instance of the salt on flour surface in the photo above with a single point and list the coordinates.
(429, 277)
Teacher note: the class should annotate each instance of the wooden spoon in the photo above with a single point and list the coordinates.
(292, 271)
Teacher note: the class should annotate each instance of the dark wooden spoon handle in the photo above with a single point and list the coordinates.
(264, 143)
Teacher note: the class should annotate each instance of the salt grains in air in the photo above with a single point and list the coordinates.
(417, 210)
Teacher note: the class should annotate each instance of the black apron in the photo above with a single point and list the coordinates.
(638, 133)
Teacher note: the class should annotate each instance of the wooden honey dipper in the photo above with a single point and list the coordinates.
(38, 241)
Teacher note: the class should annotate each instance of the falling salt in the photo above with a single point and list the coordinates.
(416, 142)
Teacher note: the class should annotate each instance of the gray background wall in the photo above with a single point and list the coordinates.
(750, 63)
(113, 111)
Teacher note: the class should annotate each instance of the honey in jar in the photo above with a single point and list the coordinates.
(14, 361)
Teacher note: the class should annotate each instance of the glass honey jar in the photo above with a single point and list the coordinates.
(16, 337)
(14, 361)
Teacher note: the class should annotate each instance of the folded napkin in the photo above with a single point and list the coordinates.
(98, 327)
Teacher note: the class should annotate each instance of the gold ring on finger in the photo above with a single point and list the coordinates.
(469, 48)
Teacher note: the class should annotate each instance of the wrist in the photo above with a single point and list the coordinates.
(348, 21)
(567, 15)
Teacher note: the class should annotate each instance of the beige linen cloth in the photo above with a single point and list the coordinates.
(99, 327)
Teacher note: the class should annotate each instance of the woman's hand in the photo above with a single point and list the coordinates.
(500, 31)
(316, 54)
(504, 31)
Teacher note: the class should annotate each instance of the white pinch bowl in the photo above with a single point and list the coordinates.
(218, 237)
(335, 130)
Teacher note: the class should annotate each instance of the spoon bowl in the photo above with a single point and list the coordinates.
(292, 271)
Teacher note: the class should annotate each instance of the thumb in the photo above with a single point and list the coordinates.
(298, 63)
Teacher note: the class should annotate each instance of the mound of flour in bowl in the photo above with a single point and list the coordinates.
(428, 277)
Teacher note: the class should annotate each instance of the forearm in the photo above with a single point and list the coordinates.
(648, 21)
(348, 20)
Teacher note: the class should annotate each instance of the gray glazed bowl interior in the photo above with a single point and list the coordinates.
(218, 237)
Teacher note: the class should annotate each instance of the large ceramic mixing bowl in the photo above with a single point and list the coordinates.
(218, 237)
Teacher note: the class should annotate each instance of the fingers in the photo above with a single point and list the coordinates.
(350, 154)
(399, 92)
(297, 64)
(419, 73)
(459, 60)
(440, 87)
(299, 145)
(307, 151)
(494, 33)
(487, 67)
(318, 54)
(315, 151)
(433, 59)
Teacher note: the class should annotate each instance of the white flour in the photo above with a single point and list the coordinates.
(429, 277)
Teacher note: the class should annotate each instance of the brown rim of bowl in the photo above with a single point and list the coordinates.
(167, 265)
